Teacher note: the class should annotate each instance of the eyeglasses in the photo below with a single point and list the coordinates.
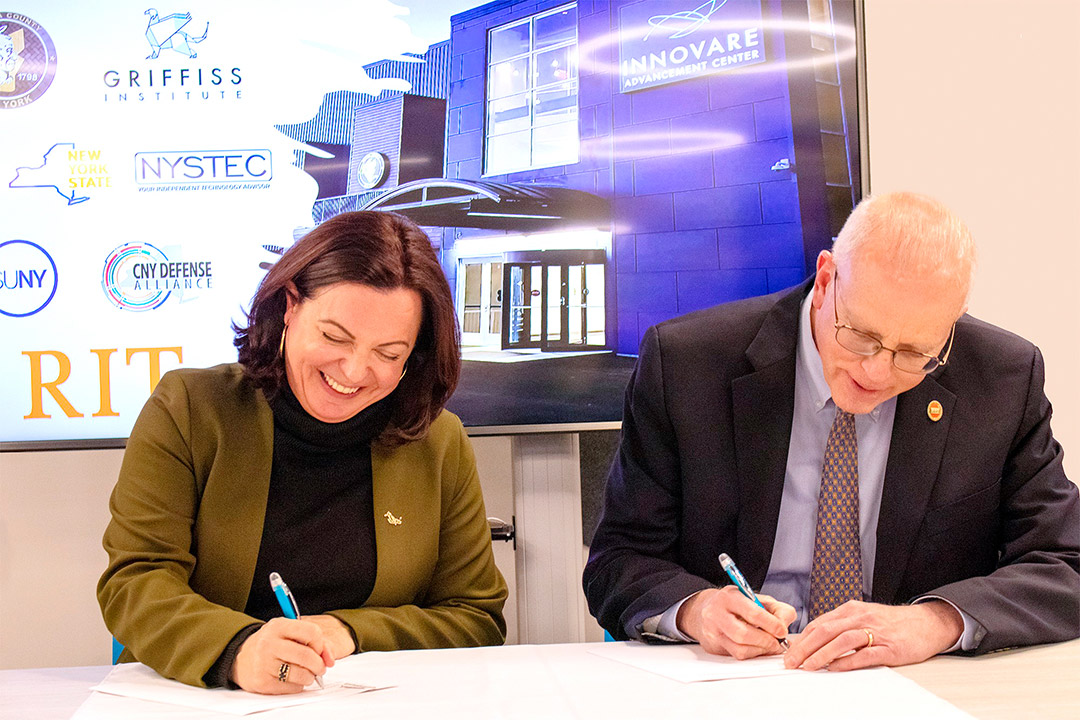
(908, 361)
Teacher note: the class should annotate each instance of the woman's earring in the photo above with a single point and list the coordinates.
(281, 345)
(403, 371)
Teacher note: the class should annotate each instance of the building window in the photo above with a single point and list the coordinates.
(532, 93)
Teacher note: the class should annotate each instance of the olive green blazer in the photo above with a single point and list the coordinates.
(187, 520)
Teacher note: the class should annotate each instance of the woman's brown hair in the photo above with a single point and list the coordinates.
(381, 250)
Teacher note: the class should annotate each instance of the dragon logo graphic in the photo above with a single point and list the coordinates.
(167, 33)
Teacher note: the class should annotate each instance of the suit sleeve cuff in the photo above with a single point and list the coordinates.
(973, 630)
(663, 628)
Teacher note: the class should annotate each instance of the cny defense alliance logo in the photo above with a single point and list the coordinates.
(139, 276)
(27, 278)
(27, 60)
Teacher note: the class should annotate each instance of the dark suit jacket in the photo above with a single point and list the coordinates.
(975, 508)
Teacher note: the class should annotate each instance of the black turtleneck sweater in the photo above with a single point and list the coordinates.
(319, 530)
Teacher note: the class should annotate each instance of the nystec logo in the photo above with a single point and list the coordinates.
(210, 169)
(27, 278)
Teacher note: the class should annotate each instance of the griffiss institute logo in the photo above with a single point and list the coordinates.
(27, 60)
(170, 36)
(139, 277)
(27, 278)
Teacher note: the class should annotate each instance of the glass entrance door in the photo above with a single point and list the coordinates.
(523, 296)
(554, 306)
(480, 292)
(585, 303)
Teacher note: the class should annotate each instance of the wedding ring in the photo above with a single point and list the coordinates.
(869, 638)
(283, 672)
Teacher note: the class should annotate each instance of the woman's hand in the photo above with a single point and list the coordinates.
(338, 636)
(300, 644)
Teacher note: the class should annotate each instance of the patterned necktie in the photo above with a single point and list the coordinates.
(836, 575)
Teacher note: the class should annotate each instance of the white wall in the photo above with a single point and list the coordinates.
(53, 511)
(977, 102)
(974, 101)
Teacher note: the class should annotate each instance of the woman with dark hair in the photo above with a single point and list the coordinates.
(326, 456)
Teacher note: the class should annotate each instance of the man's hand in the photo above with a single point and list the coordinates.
(724, 622)
(902, 634)
(298, 643)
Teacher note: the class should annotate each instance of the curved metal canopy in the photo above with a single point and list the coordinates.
(445, 202)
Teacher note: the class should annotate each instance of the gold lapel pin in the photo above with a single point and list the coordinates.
(391, 519)
(934, 411)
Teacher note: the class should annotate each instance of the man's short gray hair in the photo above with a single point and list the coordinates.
(915, 234)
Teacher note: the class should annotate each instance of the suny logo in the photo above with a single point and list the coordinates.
(27, 278)
(27, 60)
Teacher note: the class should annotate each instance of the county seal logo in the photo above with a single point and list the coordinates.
(27, 60)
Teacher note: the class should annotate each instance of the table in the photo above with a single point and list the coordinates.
(567, 681)
(1036, 682)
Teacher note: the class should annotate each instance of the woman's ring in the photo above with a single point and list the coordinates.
(869, 638)
(283, 672)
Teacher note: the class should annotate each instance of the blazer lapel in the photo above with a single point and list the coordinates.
(406, 506)
(249, 501)
(232, 506)
(915, 453)
(763, 403)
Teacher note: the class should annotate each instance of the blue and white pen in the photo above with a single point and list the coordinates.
(744, 587)
(288, 605)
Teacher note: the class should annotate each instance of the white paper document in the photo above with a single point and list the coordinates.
(768, 687)
(689, 663)
(135, 680)
(542, 682)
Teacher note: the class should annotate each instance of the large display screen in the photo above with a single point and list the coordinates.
(583, 169)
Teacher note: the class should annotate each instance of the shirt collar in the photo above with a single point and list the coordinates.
(809, 362)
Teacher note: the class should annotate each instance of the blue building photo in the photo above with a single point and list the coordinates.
(588, 169)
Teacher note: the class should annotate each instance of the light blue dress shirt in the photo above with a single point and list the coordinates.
(788, 578)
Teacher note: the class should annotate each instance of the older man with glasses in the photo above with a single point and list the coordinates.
(878, 463)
